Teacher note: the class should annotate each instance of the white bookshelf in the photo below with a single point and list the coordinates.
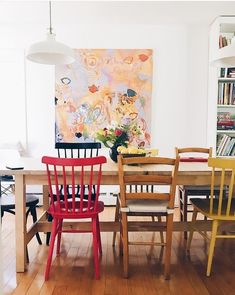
(221, 89)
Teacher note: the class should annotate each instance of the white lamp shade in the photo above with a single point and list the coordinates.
(225, 57)
(50, 52)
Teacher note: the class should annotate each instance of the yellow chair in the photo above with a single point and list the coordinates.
(146, 202)
(218, 209)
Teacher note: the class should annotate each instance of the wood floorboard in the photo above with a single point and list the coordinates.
(72, 273)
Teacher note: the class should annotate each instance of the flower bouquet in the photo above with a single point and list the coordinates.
(113, 138)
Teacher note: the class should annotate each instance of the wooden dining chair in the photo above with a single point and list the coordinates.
(75, 150)
(148, 203)
(74, 172)
(192, 154)
(218, 209)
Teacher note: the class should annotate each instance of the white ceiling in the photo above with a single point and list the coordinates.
(114, 12)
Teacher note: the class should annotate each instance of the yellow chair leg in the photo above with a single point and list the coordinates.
(212, 246)
(194, 218)
(169, 228)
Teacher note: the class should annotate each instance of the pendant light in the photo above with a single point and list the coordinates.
(226, 56)
(50, 51)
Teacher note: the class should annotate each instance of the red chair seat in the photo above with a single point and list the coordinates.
(61, 212)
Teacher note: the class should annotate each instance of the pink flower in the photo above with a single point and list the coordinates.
(118, 132)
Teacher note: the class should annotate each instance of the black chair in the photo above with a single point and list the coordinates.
(7, 184)
(78, 150)
(75, 150)
(7, 204)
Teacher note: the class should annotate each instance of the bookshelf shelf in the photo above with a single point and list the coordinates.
(226, 79)
(226, 131)
(225, 106)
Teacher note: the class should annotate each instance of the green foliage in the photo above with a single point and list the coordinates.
(113, 136)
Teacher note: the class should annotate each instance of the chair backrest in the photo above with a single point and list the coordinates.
(223, 206)
(78, 150)
(189, 151)
(74, 172)
(145, 180)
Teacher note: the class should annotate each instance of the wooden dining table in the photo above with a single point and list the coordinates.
(34, 173)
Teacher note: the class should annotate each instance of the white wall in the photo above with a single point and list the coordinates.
(179, 112)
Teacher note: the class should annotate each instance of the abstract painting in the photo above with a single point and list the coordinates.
(103, 88)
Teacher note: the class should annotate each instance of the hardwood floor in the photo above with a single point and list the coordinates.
(72, 272)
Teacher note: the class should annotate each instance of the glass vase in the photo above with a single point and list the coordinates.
(113, 153)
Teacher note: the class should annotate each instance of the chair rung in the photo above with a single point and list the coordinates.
(75, 231)
(146, 243)
(205, 236)
(225, 236)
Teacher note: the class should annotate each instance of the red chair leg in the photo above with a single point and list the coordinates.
(59, 236)
(95, 247)
(98, 235)
(52, 242)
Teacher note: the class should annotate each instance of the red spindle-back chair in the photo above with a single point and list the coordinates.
(74, 172)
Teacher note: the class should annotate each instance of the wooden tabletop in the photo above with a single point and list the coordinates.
(34, 166)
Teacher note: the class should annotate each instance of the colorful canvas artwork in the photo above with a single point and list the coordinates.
(103, 88)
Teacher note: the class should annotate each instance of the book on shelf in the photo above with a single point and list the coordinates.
(226, 93)
(228, 123)
(227, 73)
(225, 145)
(226, 142)
(223, 117)
(221, 143)
(225, 151)
(223, 72)
(225, 125)
(230, 147)
(231, 73)
(232, 153)
(225, 39)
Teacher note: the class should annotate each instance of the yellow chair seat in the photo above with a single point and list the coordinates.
(203, 205)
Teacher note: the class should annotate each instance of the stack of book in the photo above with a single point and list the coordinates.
(226, 146)
(231, 73)
(224, 121)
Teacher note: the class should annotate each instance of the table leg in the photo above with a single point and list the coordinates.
(45, 192)
(20, 227)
